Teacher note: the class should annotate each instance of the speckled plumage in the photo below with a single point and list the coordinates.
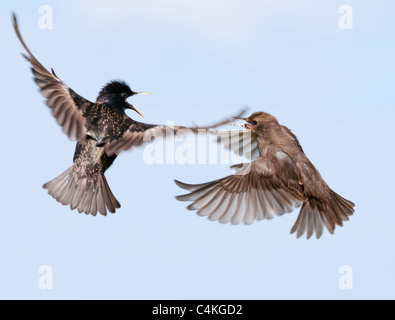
(91, 158)
(83, 186)
(102, 130)
(106, 122)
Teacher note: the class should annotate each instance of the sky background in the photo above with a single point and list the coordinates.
(201, 60)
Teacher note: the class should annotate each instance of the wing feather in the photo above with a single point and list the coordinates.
(240, 142)
(242, 198)
(67, 106)
(138, 133)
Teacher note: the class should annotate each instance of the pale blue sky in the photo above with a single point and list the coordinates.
(201, 60)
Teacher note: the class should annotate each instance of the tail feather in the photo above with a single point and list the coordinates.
(86, 199)
(316, 214)
(57, 185)
(93, 205)
(101, 205)
(109, 198)
(78, 195)
(88, 194)
(67, 197)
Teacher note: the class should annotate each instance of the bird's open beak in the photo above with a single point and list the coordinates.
(244, 125)
(140, 93)
(133, 108)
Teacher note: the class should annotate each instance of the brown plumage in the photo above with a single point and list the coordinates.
(102, 130)
(280, 179)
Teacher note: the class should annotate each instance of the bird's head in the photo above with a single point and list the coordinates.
(259, 122)
(116, 92)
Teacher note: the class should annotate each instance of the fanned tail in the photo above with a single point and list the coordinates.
(316, 214)
(86, 193)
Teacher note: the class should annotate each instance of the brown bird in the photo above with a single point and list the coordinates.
(102, 130)
(280, 179)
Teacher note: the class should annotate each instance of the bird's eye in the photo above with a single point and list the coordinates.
(254, 122)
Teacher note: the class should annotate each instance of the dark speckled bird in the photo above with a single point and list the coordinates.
(102, 130)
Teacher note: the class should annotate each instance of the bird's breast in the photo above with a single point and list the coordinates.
(91, 157)
(107, 123)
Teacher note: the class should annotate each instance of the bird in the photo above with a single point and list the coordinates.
(278, 179)
(101, 129)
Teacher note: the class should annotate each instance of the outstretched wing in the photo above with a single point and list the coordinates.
(138, 133)
(240, 142)
(135, 136)
(256, 191)
(67, 106)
